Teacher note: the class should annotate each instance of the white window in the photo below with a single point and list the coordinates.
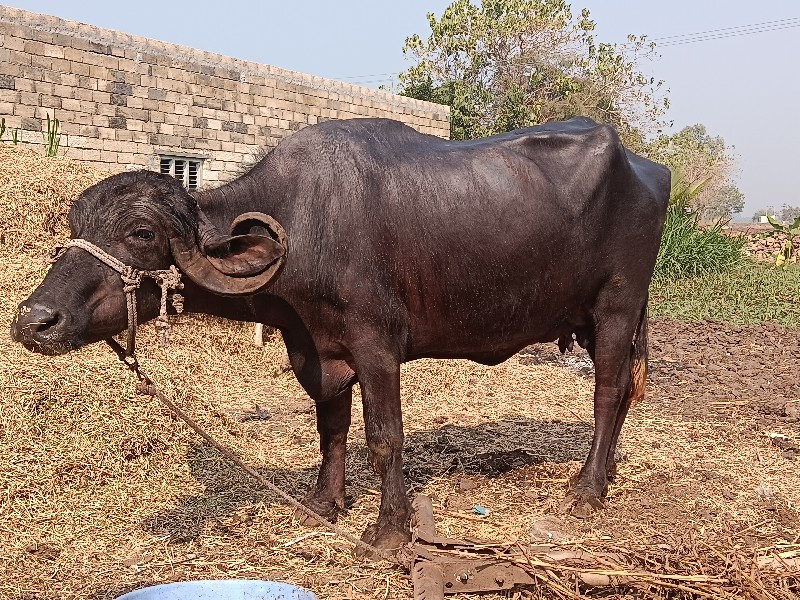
(185, 169)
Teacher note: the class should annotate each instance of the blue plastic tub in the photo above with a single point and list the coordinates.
(223, 589)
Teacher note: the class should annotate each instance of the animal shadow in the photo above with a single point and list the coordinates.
(489, 449)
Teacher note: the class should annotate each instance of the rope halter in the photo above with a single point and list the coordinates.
(168, 280)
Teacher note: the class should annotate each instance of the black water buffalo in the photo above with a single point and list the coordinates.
(400, 246)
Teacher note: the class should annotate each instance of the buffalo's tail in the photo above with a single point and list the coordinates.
(639, 360)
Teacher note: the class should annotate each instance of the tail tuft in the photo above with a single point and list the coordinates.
(639, 360)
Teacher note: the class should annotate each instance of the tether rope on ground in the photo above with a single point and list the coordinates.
(148, 387)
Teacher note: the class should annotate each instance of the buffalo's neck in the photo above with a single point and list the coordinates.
(223, 204)
(259, 308)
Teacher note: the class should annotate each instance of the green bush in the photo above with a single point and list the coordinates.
(689, 249)
(52, 137)
(14, 132)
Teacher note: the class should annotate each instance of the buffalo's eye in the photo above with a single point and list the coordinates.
(144, 234)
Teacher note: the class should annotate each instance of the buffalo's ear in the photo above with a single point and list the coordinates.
(233, 265)
(244, 255)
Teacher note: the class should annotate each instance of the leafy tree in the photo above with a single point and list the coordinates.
(727, 201)
(696, 157)
(789, 213)
(507, 64)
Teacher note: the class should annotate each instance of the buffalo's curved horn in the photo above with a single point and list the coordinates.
(233, 265)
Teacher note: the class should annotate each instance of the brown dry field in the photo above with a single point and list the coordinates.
(102, 491)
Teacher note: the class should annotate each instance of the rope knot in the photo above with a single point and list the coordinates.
(132, 278)
(145, 389)
(168, 280)
(177, 302)
(162, 326)
(56, 253)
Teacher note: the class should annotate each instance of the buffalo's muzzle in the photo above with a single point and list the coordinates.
(39, 327)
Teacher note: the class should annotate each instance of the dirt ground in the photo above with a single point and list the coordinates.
(705, 368)
(107, 494)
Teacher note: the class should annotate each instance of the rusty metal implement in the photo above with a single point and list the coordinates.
(450, 566)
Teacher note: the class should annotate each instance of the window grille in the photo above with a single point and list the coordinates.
(186, 170)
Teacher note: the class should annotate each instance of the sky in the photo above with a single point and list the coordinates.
(744, 87)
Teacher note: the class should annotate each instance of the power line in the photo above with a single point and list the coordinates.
(386, 80)
(363, 76)
(684, 35)
(725, 35)
(661, 42)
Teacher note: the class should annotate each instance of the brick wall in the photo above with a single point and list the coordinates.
(123, 100)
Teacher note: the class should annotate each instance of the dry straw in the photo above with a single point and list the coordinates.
(102, 491)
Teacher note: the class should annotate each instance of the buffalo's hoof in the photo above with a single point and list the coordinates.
(581, 503)
(386, 537)
(324, 507)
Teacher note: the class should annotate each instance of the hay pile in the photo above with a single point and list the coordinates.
(101, 491)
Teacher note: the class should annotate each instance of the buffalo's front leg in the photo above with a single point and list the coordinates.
(333, 421)
(379, 377)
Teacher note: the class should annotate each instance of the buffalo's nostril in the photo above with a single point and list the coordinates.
(38, 318)
(47, 322)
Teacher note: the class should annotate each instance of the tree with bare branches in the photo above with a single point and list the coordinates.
(703, 161)
(506, 64)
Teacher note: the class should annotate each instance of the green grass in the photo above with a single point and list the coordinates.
(703, 273)
(690, 250)
(748, 295)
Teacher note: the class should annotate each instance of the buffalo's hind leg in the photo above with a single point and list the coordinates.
(327, 497)
(638, 381)
(612, 352)
(379, 378)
